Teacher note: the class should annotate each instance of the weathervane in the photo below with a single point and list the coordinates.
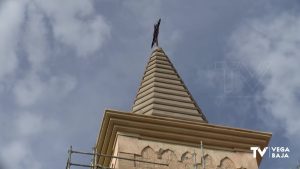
(155, 34)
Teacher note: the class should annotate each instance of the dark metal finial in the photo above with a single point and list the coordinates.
(155, 34)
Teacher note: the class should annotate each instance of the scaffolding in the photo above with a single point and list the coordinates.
(95, 157)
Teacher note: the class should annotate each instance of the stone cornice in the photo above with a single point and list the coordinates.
(176, 131)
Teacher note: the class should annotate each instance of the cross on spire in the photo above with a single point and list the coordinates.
(155, 34)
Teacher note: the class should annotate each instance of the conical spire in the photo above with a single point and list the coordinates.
(163, 93)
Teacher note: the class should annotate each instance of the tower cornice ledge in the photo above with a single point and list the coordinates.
(177, 131)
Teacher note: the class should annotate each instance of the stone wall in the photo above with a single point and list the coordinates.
(175, 156)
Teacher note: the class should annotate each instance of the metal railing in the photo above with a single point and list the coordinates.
(96, 155)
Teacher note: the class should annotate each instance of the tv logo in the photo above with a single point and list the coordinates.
(257, 149)
(274, 152)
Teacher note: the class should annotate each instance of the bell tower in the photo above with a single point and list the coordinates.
(166, 128)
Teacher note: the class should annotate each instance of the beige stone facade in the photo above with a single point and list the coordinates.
(166, 128)
(149, 138)
(175, 156)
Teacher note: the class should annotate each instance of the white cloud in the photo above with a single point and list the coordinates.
(25, 128)
(11, 17)
(274, 42)
(76, 24)
(29, 90)
(17, 155)
(29, 124)
(71, 23)
(29, 25)
(32, 32)
(35, 38)
(33, 89)
(147, 11)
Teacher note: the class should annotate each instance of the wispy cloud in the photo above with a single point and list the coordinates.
(32, 89)
(20, 154)
(274, 42)
(75, 23)
(32, 32)
(11, 17)
(146, 11)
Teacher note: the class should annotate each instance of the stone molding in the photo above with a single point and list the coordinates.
(175, 131)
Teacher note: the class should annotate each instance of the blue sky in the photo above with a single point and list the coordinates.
(62, 63)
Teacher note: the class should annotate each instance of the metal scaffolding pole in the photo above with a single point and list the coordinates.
(69, 158)
(195, 160)
(202, 156)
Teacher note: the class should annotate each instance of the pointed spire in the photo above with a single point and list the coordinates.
(163, 93)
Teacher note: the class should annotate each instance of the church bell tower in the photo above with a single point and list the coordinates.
(166, 128)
